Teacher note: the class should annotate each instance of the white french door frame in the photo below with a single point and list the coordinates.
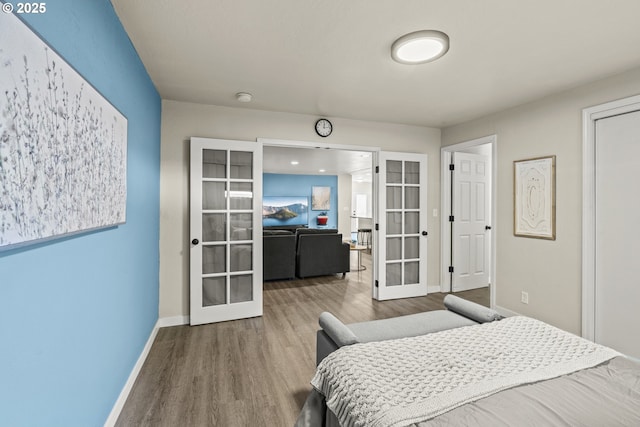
(374, 161)
(589, 117)
(402, 289)
(445, 207)
(227, 309)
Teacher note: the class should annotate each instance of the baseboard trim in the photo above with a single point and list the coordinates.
(506, 312)
(165, 322)
(432, 289)
(124, 394)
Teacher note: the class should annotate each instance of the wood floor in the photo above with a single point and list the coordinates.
(255, 371)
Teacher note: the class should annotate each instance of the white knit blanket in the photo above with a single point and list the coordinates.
(404, 381)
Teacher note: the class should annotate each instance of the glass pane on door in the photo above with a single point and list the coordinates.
(412, 198)
(214, 259)
(412, 223)
(213, 195)
(412, 173)
(241, 288)
(394, 172)
(411, 273)
(241, 165)
(241, 195)
(394, 274)
(214, 163)
(214, 227)
(241, 257)
(241, 226)
(214, 291)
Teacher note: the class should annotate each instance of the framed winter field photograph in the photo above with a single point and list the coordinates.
(63, 146)
(535, 197)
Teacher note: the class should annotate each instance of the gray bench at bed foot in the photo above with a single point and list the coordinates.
(335, 334)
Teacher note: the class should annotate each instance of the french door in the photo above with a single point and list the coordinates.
(226, 230)
(402, 225)
(470, 235)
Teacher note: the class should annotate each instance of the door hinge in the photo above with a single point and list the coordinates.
(376, 283)
(377, 227)
(452, 167)
(451, 218)
(377, 169)
(451, 269)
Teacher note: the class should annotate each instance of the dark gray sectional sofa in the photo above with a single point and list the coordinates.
(305, 252)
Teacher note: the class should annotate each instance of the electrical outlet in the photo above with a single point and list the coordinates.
(525, 297)
(435, 212)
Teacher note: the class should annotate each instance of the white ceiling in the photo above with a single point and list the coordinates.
(331, 57)
(312, 160)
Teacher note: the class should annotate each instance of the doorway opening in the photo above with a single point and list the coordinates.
(353, 166)
(468, 197)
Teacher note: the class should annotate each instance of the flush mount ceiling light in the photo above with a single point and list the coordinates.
(244, 97)
(420, 47)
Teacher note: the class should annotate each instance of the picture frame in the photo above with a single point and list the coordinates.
(534, 186)
(320, 198)
(63, 145)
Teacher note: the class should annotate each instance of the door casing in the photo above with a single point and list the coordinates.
(445, 204)
(589, 117)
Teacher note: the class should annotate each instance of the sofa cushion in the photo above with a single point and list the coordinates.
(321, 254)
(408, 326)
(470, 309)
(338, 331)
(316, 231)
(277, 232)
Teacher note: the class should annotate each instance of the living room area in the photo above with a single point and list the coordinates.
(317, 213)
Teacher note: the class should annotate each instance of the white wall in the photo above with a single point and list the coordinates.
(180, 121)
(550, 271)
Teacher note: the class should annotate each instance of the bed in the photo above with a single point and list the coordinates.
(512, 372)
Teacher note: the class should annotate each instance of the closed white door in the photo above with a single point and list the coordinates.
(470, 233)
(617, 270)
(226, 230)
(402, 230)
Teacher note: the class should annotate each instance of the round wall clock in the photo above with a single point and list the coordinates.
(324, 127)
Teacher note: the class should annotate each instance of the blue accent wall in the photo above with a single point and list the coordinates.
(275, 184)
(75, 313)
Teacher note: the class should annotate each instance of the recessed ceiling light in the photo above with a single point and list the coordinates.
(244, 97)
(294, 162)
(420, 47)
(322, 170)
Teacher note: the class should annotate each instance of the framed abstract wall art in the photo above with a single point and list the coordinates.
(535, 197)
(63, 146)
(320, 198)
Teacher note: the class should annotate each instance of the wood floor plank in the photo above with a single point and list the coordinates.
(256, 371)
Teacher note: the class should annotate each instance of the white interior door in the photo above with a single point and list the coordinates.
(617, 289)
(226, 230)
(471, 213)
(402, 219)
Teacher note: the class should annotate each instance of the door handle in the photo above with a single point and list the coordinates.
(195, 241)
(487, 227)
(424, 233)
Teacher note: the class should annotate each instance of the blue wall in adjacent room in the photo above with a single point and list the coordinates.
(275, 184)
(75, 313)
